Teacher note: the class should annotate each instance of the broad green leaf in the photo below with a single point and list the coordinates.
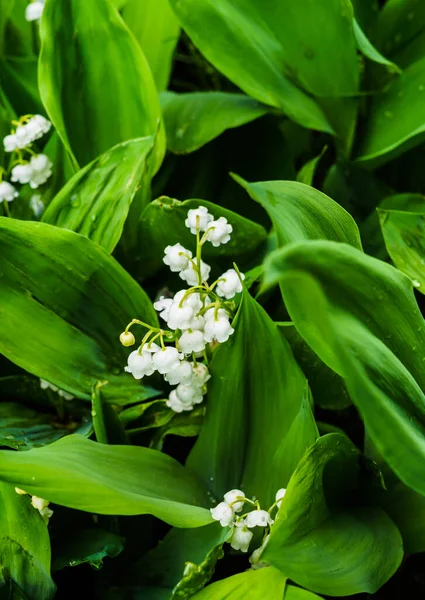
(360, 316)
(6, 7)
(94, 80)
(67, 301)
(399, 28)
(396, 117)
(321, 545)
(255, 400)
(300, 212)
(369, 50)
(295, 593)
(96, 200)
(306, 173)
(24, 546)
(157, 30)
(192, 120)
(19, 81)
(108, 480)
(256, 585)
(87, 546)
(162, 223)
(277, 53)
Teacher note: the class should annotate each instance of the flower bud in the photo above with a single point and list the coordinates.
(127, 338)
(39, 503)
(20, 492)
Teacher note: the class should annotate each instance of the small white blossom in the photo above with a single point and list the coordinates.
(140, 364)
(233, 495)
(163, 307)
(177, 257)
(200, 374)
(45, 385)
(166, 359)
(39, 503)
(37, 205)
(189, 394)
(229, 284)
(182, 313)
(41, 168)
(175, 404)
(192, 341)
(190, 275)
(10, 143)
(241, 537)
(218, 329)
(34, 10)
(198, 219)
(20, 492)
(218, 232)
(280, 494)
(197, 322)
(211, 313)
(259, 518)
(22, 137)
(223, 513)
(46, 513)
(37, 126)
(181, 373)
(21, 174)
(7, 192)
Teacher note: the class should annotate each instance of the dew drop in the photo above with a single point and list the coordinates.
(93, 218)
(75, 201)
(416, 283)
(388, 114)
(179, 133)
(421, 87)
(93, 413)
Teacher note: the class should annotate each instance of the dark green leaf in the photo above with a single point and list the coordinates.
(87, 546)
(306, 173)
(106, 424)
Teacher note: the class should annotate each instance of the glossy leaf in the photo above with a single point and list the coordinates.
(300, 212)
(369, 50)
(274, 51)
(162, 223)
(399, 28)
(87, 546)
(24, 546)
(331, 292)
(247, 410)
(265, 583)
(106, 425)
(94, 79)
(67, 302)
(295, 593)
(306, 173)
(192, 120)
(129, 480)
(157, 30)
(319, 544)
(96, 201)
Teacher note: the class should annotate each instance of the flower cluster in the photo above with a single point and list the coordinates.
(226, 513)
(46, 385)
(34, 10)
(198, 317)
(27, 167)
(40, 504)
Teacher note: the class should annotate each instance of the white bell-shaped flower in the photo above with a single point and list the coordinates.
(41, 168)
(177, 257)
(190, 275)
(223, 513)
(259, 518)
(163, 307)
(218, 329)
(22, 137)
(198, 219)
(175, 404)
(241, 537)
(166, 359)
(280, 494)
(229, 284)
(7, 192)
(193, 300)
(39, 503)
(21, 174)
(200, 374)
(189, 394)
(21, 492)
(34, 10)
(37, 126)
(232, 496)
(192, 341)
(10, 143)
(140, 364)
(37, 205)
(182, 373)
(182, 311)
(218, 232)
(197, 322)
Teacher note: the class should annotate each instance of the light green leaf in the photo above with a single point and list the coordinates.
(96, 201)
(87, 546)
(24, 546)
(300, 212)
(192, 120)
(360, 316)
(94, 80)
(278, 53)
(319, 544)
(157, 30)
(109, 480)
(248, 410)
(306, 173)
(369, 50)
(67, 301)
(295, 593)
(256, 585)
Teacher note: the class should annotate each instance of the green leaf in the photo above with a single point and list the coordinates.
(94, 80)
(369, 50)
(306, 173)
(24, 546)
(294, 593)
(319, 544)
(157, 30)
(255, 400)
(106, 424)
(278, 54)
(96, 200)
(300, 212)
(265, 583)
(360, 316)
(109, 480)
(87, 546)
(192, 120)
(396, 118)
(183, 425)
(162, 223)
(76, 300)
